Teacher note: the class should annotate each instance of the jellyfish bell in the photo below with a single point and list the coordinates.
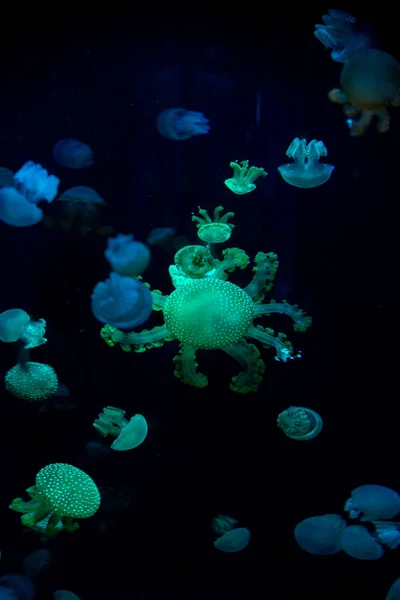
(320, 535)
(306, 171)
(300, 423)
(357, 542)
(373, 502)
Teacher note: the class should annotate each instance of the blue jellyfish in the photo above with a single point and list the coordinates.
(19, 585)
(394, 592)
(374, 502)
(300, 423)
(388, 533)
(15, 210)
(181, 124)
(306, 171)
(16, 325)
(358, 543)
(159, 235)
(320, 535)
(73, 154)
(223, 523)
(122, 302)
(234, 540)
(34, 182)
(126, 256)
(337, 33)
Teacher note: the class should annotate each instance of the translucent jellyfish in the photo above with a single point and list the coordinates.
(306, 171)
(6, 177)
(126, 256)
(16, 210)
(374, 502)
(337, 33)
(81, 206)
(370, 82)
(181, 124)
(216, 230)
(159, 235)
(61, 494)
(129, 434)
(358, 543)
(122, 301)
(65, 595)
(31, 381)
(394, 592)
(234, 540)
(388, 533)
(73, 154)
(19, 585)
(36, 562)
(35, 184)
(223, 523)
(300, 423)
(320, 535)
(15, 324)
(244, 177)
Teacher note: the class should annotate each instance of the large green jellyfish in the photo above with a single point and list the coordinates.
(206, 312)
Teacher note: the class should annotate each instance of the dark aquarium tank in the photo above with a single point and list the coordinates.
(198, 353)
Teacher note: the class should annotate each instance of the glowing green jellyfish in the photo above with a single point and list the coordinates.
(243, 178)
(300, 423)
(206, 312)
(216, 230)
(306, 171)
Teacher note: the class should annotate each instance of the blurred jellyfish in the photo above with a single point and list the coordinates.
(159, 235)
(234, 540)
(35, 184)
(320, 535)
(388, 533)
(370, 82)
(337, 33)
(394, 592)
(374, 502)
(126, 256)
(299, 423)
(306, 171)
(358, 543)
(15, 210)
(6, 177)
(15, 324)
(73, 154)
(122, 302)
(244, 177)
(65, 595)
(223, 523)
(21, 587)
(36, 562)
(181, 124)
(81, 205)
(129, 434)
(97, 450)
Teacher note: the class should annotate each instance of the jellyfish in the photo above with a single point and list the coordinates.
(15, 210)
(35, 184)
(126, 256)
(234, 540)
(223, 523)
(388, 533)
(394, 592)
(320, 535)
(244, 177)
(374, 502)
(181, 124)
(358, 543)
(36, 562)
(216, 230)
(122, 301)
(370, 83)
(20, 587)
(129, 434)
(16, 325)
(73, 154)
(6, 177)
(300, 423)
(306, 171)
(337, 33)
(80, 208)
(159, 235)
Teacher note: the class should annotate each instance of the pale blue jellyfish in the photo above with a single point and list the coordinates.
(73, 154)
(337, 33)
(358, 543)
(15, 210)
(126, 256)
(34, 182)
(320, 535)
(122, 302)
(300, 423)
(234, 540)
(306, 171)
(36, 562)
(181, 124)
(16, 325)
(374, 502)
(394, 592)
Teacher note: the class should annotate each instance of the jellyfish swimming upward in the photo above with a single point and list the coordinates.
(337, 33)
(306, 171)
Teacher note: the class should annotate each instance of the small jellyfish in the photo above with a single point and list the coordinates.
(6, 177)
(15, 324)
(337, 33)
(35, 184)
(122, 302)
(306, 171)
(243, 178)
(73, 154)
(80, 208)
(223, 523)
(358, 543)
(374, 502)
(126, 256)
(181, 124)
(15, 210)
(300, 423)
(234, 540)
(320, 535)
(36, 562)
(129, 434)
(216, 230)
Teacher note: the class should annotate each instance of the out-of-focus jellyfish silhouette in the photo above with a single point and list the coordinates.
(234, 540)
(388, 533)
(370, 83)
(6, 177)
(394, 592)
(159, 235)
(20, 586)
(374, 502)
(73, 154)
(97, 450)
(126, 256)
(61, 494)
(300, 423)
(244, 177)
(81, 209)
(223, 523)
(122, 301)
(129, 434)
(36, 562)
(181, 124)
(216, 230)
(65, 595)
(337, 33)
(16, 324)
(320, 535)
(358, 543)
(306, 171)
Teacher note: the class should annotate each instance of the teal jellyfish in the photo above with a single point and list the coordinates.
(300, 423)
(129, 434)
(16, 325)
(127, 256)
(394, 592)
(374, 502)
(306, 171)
(359, 543)
(320, 535)
(337, 34)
